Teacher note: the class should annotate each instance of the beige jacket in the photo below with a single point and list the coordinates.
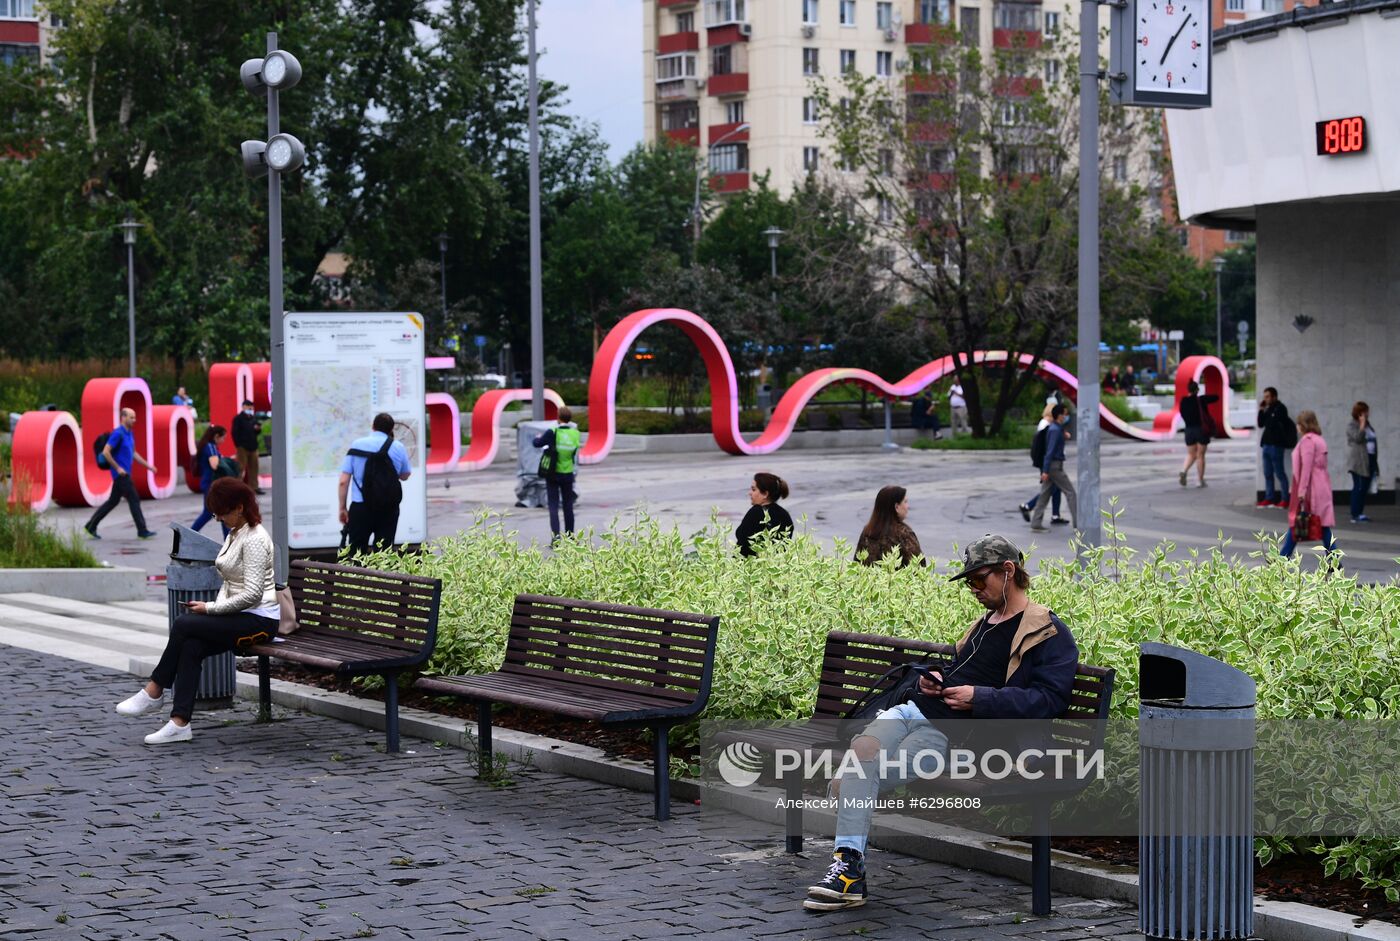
(245, 564)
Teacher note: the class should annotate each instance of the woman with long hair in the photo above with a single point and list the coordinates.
(764, 515)
(1312, 484)
(1200, 428)
(244, 613)
(886, 530)
(207, 458)
(1362, 459)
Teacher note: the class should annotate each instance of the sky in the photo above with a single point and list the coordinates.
(594, 47)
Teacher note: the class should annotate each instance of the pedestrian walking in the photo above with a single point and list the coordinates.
(1312, 484)
(371, 479)
(887, 530)
(1037, 458)
(764, 515)
(1280, 434)
(957, 407)
(1200, 428)
(244, 613)
(247, 431)
(558, 465)
(1052, 471)
(207, 459)
(118, 455)
(1362, 462)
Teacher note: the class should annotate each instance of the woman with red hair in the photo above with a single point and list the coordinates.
(244, 613)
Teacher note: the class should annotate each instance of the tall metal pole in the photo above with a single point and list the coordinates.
(131, 306)
(280, 529)
(1219, 344)
(1090, 523)
(536, 288)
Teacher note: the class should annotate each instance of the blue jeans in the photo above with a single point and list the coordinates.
(900, 730)
(1273, 467)
(204, 515)
(1360, 486)
(1289, 544)
(1054, 501)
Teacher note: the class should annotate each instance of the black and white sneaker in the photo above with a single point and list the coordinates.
(1025, 512)
(843, 885)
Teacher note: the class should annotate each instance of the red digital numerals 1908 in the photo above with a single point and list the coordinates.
(1342, 136)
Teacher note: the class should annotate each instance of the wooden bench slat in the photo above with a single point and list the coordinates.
(346, 646)
(603, 670)
(706, 621)
(585, 702)
(350, 620)
(584, 618)
(695, 646)
(601, 682)
(593, 651)
(383, 602)
(651, 647)
(339, 571)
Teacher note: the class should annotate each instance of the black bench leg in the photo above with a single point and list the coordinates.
(661, 773)
(264, 690)
(792, 814)
(391, 711)
(483, 740)
(1040, 859)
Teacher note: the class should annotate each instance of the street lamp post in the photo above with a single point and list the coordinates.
(129, 228)
(1219, 265)
(699, 172)
(775, 235)
(442, 272)
(536, 285)
(281, 153)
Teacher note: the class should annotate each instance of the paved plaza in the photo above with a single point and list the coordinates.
(954, 496)
(305, 829)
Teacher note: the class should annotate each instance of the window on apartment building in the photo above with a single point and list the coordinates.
(935, 159)
(884, 256)
(809, 111)
(729, 158)
(15, 53)
(685, 22)
(734, 112)
(935, 11)
(1009, 15)
(1236, 236)
(679, 116)
(19, 9)
(810, 159)
(720, 12)
(848, 12)
(884, 209)
(669, 68)
(811, 62)
(886, 162)
(970, 24)
(884, 15)
(1234, 6)
(1052, 71)
(809, 12)
(1052, 22)
(884, 64)
(1120, 169)
(722, 60)
(848, 61)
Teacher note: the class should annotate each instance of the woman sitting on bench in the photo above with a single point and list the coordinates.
(244, 613)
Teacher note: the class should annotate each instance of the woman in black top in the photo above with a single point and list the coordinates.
(764, 515)
(1200, 428)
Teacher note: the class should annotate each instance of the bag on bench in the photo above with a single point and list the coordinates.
(896, 686)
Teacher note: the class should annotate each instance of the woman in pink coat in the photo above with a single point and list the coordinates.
(1312, 485)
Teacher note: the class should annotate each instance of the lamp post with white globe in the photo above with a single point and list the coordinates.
(281, 153)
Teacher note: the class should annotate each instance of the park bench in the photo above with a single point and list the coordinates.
(852, 663)
(353, 622)
(611, 663)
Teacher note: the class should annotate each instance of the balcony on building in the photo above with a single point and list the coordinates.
(676, 3)
(19, 31)
(721, 131)
(676, 76)
(933, 24)
(726, 13)
(680, 122)
(729, 69)
(677, 42)
(729, 167)
(1016, 25)
(1015, 86)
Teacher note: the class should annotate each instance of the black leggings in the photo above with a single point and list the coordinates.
(196, 636)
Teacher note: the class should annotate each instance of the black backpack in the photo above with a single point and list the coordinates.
(380, 486)
(1038, 446)
(97, 448)
(897, 685)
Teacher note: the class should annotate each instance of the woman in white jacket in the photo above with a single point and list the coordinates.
(245, 612)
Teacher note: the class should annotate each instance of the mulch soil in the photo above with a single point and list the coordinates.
(1290, 879)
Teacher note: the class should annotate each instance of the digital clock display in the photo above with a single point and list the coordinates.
(1341, 136)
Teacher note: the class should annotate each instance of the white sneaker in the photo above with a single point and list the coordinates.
(170, 732)
(141, 704)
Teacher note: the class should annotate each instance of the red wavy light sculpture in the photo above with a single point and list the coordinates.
(53, 460)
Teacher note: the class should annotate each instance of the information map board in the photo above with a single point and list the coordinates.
(343, 369)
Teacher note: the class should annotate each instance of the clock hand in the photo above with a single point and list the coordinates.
(1167, 50)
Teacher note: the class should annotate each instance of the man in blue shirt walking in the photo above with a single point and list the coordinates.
(1052, 471)
(119, 452)
(362, 519)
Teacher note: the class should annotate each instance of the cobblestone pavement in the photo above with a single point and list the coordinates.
(305, 829)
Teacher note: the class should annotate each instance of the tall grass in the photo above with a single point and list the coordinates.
(26, 543)
(26, 385)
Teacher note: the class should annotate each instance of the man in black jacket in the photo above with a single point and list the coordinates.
(1279, 435)
(246, 428)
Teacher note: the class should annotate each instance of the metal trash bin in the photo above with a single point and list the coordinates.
(191, 576)
(1196, 818)
(529, 486)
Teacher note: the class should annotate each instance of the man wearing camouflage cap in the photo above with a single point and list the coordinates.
(1017, 661)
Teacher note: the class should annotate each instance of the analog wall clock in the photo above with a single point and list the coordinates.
(1162, 53)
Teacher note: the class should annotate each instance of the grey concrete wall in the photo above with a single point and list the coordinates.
(117, 583)
(1338, 263)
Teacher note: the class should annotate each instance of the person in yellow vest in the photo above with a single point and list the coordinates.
(557, 467)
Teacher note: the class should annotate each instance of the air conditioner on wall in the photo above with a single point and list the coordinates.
(891, 35)
(808, 32)
(700, 83)
(745, 29)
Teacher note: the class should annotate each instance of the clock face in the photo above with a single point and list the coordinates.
(1171, 51)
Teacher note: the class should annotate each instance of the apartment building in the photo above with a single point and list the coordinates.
(21, 35)
(713, 66)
